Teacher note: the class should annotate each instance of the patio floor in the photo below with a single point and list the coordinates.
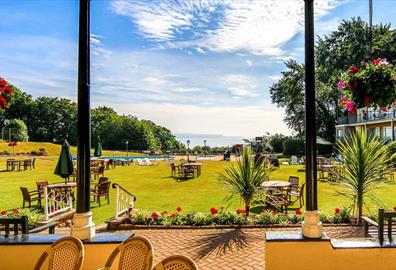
(223, 248)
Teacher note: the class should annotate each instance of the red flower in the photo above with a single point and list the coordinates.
(15, 211)
(353, 69)
(213, 211)
(367, 100)
(394, 208)
(8, 90)
(173, 216)
(3, 101)
(337, 211)
(154, 215)
(3, 83)
(344, 101)
(298, 212)
(164, 213)
(3, 212)
(377, 61)
(240, 211)
(384, 109)
(179, 209)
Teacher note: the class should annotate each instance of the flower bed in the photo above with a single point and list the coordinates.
(34, 216)
(221, 218)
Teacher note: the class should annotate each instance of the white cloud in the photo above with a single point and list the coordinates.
(240, 85)
(255, 26)
(97, 46)
(249, 63)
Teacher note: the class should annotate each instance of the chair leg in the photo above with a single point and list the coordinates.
(23, 204)
(98, 199)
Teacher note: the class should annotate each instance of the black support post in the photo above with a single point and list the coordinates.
(310, 114)
(84, 118)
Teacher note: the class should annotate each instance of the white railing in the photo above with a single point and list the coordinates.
(124, 201)
(55, 202)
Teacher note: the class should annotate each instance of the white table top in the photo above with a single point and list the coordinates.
(276, 184)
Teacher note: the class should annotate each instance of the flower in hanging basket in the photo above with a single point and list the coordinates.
(5, 93)
(371, 85)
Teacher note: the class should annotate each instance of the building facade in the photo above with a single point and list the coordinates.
(377, 122)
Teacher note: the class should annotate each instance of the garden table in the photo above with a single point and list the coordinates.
(275, 184)
(275, 195)
(195, 165)
(12, 164)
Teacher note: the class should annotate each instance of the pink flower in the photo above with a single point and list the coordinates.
(350, 106)
(298, 212)
(337, 211)
(341, 84)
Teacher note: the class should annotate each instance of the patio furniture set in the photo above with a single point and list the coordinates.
(189, 169)
(63, 191)
(19, 164)
(279, 195)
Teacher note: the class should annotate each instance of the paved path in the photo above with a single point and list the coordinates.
(241, 249)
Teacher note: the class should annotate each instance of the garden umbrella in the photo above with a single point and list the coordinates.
(64, 168)
(98, 149)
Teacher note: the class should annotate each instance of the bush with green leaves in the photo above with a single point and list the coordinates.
(365, 160)
(18, 130)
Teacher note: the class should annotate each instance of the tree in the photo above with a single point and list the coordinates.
(365, 159)
(245, 177)
(348, 45)
(19, 131)
(276, 142)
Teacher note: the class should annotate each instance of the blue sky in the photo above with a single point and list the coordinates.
(194, 66)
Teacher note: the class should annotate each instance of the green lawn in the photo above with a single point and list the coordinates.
(157, 191)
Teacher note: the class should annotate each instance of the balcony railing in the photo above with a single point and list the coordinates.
(362, 116)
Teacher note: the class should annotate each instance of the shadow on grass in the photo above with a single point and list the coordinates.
(222, 242)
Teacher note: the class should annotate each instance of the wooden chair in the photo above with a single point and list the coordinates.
(66, 253)
(30, 196)
(176, 170)
(293, 180)
(380, 226)
(187, 171)
(298, 194)
(21, 225)
(136, 253)
(101, 190)
(176, 262)
(33, 164)
(99, 172)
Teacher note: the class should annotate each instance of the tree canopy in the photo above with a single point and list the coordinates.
(55, 119)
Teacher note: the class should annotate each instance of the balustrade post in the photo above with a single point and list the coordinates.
(45, 202)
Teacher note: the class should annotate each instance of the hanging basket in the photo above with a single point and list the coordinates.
(372, 85)
(5, 93)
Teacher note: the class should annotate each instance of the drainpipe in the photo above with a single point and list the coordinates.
(311, 226)
(83, 227)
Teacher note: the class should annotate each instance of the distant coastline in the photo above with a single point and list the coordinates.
(212, 140)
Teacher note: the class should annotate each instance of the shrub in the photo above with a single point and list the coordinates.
(5, 153)
(19, 129)
(201, 219)
(293, 147)
(265, 218)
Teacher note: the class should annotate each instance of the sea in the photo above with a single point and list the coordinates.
(212, 140)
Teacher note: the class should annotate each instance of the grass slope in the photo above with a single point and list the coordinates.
(51, 148)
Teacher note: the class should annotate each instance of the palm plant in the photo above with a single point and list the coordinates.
(365, 158)
(244, 178)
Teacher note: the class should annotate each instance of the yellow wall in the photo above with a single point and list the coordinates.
(322, 256)
(21, 257)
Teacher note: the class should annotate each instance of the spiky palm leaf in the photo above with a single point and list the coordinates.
(365, 161)
(244, 178)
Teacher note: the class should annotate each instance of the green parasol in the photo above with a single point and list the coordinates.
(98, 149)
(64, 168)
